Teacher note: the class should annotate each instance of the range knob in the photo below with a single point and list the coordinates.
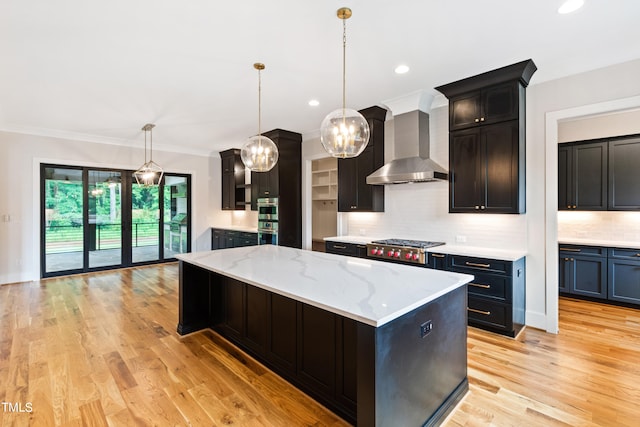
(374, 251)
(416, 257)
(390, 252)
(380, 251)
(397, 254)
(408, 255)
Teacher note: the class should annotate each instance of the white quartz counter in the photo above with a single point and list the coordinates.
(595, 242)
(475, 251)
(371, 292)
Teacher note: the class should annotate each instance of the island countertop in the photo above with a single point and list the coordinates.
(368, 291)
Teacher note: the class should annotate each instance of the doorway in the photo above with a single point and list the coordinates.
(324, 207)
(95, 219)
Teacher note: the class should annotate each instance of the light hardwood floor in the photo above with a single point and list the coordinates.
(101, 349)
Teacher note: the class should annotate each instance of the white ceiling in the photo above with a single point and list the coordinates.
(99, 70)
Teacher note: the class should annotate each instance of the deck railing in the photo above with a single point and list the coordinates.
(68, 238)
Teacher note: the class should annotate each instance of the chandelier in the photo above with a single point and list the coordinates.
(150, 173)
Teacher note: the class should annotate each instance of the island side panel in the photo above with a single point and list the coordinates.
(194, 298)
(406, 379)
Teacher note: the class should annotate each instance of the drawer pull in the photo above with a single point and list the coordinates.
(570, 250)
(473, 264)
(484, 313)
(478, 285)
(442, 256)
(637, 254)
(339, 247)
(360, 246)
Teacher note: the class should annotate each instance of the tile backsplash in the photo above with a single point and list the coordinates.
(607, 225)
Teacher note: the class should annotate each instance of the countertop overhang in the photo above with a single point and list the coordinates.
(368, 291)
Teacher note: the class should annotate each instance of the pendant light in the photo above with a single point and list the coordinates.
(344, 132)
(150, 173)
(259, 153)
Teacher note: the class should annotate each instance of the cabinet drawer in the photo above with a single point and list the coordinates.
(488, 313)
(626, 253)
(490, 285)
(342, 248)
(457, 262)
(568, 250)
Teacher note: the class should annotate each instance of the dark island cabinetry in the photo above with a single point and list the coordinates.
(354, 194)
(595, 272)
(233, 187)
(487, 140)
(283, 182)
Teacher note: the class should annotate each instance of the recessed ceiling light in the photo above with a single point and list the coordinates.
(314, 103)
(570, 6)
(402, 69)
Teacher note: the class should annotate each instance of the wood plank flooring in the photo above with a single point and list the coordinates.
(101, 350)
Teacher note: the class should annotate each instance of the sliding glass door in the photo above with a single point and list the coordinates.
(95, 219)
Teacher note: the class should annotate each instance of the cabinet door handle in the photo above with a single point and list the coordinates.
(574, 206)
(473, 264)
(360, 246)
(442, 256)
(637, 254)
(476, 120)
(484, 313)
(477, 207)
(482, 119)
(482, 207)
(339, 247)
(570, 250)
(478, 285)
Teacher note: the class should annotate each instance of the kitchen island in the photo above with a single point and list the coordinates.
(378, 343)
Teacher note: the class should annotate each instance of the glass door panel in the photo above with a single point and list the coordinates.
(63, 222)
(104, 211)
(145, 223)
(176, 216)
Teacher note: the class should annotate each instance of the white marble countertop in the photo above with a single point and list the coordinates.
(237, 228)
(368, 291)
(596, 242)
(475, 251)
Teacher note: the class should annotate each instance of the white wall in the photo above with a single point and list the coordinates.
(20, 157)
(420, 210)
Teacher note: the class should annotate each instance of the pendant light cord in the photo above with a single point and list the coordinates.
(145, 146)
(259, 105)
(344, 65)
(151, 145)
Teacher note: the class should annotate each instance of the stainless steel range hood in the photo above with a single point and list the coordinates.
(411, 153)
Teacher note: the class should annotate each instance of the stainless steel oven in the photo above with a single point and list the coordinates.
(268, 221)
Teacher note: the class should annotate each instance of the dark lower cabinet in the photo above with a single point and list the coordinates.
(496, 295)
(257, 306)
(223, 238)
(624, 275)
(583, 271)
(595, 272)
(233, 293)
(437, 261)
(317, 349)
(282, 321)
(348, 249)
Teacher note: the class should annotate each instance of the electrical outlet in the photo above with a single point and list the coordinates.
(461, 239)
(426, 328)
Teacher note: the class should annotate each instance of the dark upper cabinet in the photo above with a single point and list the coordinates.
(486, 169)
(490, 105)
(582, 176)
(232, 180)
(284, 182)
(624, 174)
(487, 140)
(354, 194)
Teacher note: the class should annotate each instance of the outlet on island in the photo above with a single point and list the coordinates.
(461, 239)
(426, 328)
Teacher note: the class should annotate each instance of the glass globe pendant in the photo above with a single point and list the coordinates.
(259, 153)
(344, 132)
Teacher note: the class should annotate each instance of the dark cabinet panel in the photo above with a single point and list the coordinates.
(256, 327)
(281, 349)
(348, 249)
(492, 104)
(354, 194)
(624, 275)
(317, 348)
(582, 176)
(486, 169)
(234, 307)
(487, 140)
(624, 174)
(347, 363)
(233, 197)
(222, 238)
(437, 261)
(583, 271)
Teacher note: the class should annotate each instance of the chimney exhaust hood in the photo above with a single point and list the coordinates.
(411, 161)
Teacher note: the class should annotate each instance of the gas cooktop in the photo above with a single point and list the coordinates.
(401, 250)
(408, 243)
